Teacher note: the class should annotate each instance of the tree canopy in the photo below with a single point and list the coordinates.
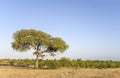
(26, 39)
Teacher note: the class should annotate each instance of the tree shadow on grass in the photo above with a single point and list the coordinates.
(5, 65)
(17, 66)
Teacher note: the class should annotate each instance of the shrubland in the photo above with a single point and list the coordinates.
(62, 63)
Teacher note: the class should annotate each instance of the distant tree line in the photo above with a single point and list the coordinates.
(63, 62)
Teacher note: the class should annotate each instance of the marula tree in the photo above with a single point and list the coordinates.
(41, 42)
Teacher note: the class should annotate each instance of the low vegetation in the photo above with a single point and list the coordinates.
(62, 63)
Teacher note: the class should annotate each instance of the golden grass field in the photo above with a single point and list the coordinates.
(19, 72)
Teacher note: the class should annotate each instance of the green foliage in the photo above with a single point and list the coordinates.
(49, 64)
(13, 62)
(66, 62)
(21, 62)
(58, 44)
(63, 62)
(26, 39)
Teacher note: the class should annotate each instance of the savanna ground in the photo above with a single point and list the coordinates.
(24, 72)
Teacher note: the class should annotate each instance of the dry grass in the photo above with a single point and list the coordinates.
(17, 72)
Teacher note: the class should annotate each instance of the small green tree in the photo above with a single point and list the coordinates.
(41, 42)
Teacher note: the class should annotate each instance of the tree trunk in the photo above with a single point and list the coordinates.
(36, 61)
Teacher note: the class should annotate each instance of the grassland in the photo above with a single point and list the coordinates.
(20, 72)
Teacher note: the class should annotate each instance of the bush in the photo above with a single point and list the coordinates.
(63, 62)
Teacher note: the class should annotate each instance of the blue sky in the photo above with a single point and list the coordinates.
(90, 27)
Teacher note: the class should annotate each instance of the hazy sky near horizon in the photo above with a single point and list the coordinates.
(90, 27)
